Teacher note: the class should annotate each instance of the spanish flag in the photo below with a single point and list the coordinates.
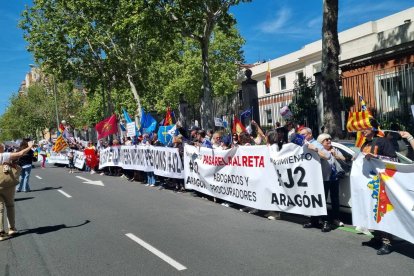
(238, 127)
(268, 77)
(60, 144)
(168, 118)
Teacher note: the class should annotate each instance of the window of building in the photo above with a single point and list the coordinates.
(387, 90)
(317, 68)
(268, 116)
(282, 83)
(300, 75)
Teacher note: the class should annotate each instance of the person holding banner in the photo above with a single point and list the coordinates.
(408, 136)
(381, 148)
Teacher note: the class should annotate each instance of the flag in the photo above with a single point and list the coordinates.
(61, 129)
(148, 123)
(358, 121)
(363, 104)
(60, 144)
(107, 127)
(238, 127)
(168, 118)
(164, 134)
(360, 139)
(268, 77)
(246, 114)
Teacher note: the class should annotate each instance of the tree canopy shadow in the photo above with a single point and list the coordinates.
(47, 229)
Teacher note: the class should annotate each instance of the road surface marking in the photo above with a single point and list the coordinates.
(38, 177)
(156, 252)
(93, 182)
(65, 194)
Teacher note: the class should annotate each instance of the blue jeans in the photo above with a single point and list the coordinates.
(24, 180)
(150, 178)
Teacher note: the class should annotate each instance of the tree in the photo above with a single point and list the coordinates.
(304, 104)
(103, 43)
(179, 71)
(197, 20)
(330, 66)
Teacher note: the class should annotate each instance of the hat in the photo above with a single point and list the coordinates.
(323, 137)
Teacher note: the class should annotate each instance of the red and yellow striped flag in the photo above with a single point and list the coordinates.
(60, 144)
(360, 139)
(358, 121)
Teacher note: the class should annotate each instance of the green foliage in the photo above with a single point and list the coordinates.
(180, 71)
(303, 104)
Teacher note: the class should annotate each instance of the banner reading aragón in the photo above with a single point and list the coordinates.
(382, 196)
(300, 186)
(246, 176)
(162, 161)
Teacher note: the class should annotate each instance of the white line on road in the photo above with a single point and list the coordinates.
(156, 252)
(38, 177)
(65, 194)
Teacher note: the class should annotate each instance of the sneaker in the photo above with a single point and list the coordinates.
(338, 223)
(93, 172)
(325, 227)
(225, 204)
(12, 231)
(244, 209)
(385, 249)
(147, 184)
(102, 174)
(253, 211)
(152, 185)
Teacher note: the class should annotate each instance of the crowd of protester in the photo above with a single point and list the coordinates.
(374, 147)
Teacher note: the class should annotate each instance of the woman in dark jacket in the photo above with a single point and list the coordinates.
(26, 163)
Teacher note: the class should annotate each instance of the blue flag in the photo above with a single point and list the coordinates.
(246, 114)
(165, 134)
(148, 123)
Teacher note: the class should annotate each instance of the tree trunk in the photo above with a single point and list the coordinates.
(206, 100)
(136, 97)
(330, 66)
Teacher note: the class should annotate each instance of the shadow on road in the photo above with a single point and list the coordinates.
(47, 229)
(47, 189)
(23, 198)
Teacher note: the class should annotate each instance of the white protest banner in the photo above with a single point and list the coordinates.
(109, 157)
(130, 129)
(246, 176)
(58, 158)
(218, 122)
(300, 188)
(235, 175)
(382, 195)
(160, 160)
(79, 159)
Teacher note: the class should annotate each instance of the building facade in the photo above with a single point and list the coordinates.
(377, 60)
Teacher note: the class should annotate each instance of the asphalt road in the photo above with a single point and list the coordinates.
(68, 227)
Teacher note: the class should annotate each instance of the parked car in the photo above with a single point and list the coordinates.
(348, 150)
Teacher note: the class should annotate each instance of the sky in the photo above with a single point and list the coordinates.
(271, 28)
